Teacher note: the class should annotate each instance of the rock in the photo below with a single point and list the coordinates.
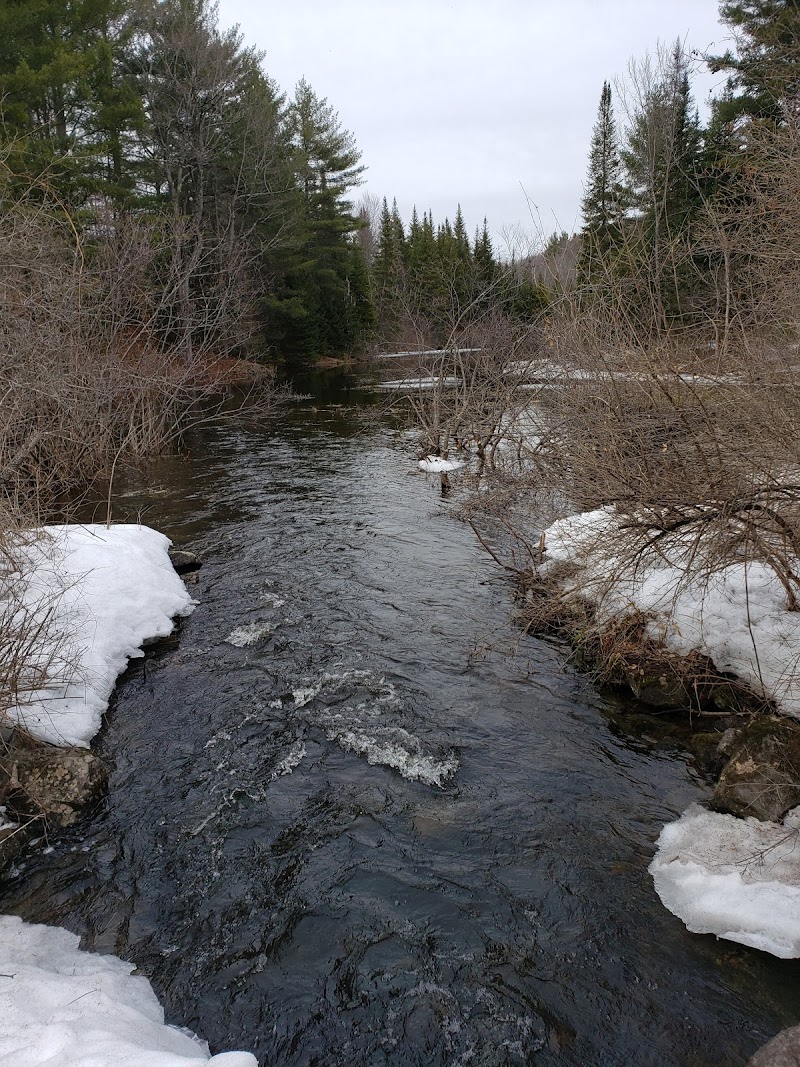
(762, 777)
(727, 741)
(184, 561)
(52, 782)
(781, 1051)
(663, 690)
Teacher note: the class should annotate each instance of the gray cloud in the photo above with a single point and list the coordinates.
(471, 102)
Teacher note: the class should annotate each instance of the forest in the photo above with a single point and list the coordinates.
(167, 204)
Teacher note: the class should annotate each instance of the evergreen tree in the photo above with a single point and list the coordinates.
(66, 102)
(662, 162)
(332, 281)
(400, 239)
(765, 71)
(388, 268)
(483, 257)
(603, 200)
(460, 237)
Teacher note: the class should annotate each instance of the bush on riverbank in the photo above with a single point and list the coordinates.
(89, 371)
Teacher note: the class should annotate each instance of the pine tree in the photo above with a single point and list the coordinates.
(330, 282)
(603, 201)
(765, 71)
(66, 100)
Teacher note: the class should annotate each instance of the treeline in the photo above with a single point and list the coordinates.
(689, 228)
(146, 115)
(431, 282)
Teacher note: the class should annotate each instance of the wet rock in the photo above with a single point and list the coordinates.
(53, 783)
(781, 1051)
(663, 690)
(184, 561)
(762, 777)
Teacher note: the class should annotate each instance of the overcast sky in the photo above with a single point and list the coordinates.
(489, 103)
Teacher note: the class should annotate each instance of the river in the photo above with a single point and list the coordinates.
(354, 817)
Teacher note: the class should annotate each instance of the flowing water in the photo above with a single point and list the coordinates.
(355, 818)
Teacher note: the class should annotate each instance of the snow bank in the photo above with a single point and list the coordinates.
(435, 464)
(736, 616)
(61, 1006)
(105, 590)
(736, 878)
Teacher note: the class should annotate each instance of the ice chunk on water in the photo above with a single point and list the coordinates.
(736, 878)
(435, 464)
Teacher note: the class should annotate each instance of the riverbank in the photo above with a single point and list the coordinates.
(684, 631)
(87, 598)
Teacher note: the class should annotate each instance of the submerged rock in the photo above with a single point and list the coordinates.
(782, 1051)
(762, 777)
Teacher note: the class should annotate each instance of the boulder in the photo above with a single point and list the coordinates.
(781, 1051)
(184, 561)
(51, 782)
(762, 776)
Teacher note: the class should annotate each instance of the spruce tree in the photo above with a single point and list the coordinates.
(483, 257)
(602, 204)
(328, 167)
(662, 160)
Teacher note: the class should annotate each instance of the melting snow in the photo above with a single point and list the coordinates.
(736, 878)
(435, 464)
(98, 593)
(737, 616)
(61, 1006)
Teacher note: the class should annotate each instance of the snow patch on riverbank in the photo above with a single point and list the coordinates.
(59, 1005)
(96, 593)
(736, 615)
(736, 878)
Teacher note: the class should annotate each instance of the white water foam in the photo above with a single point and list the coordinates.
(244, 636)
(398, 749)
(289, 761)
(360, 727)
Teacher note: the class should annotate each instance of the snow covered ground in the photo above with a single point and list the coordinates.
(61, 1007)
(736, 616)
(736, 878)
(99, 593)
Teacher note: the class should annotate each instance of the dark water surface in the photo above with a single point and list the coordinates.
(371, 836)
